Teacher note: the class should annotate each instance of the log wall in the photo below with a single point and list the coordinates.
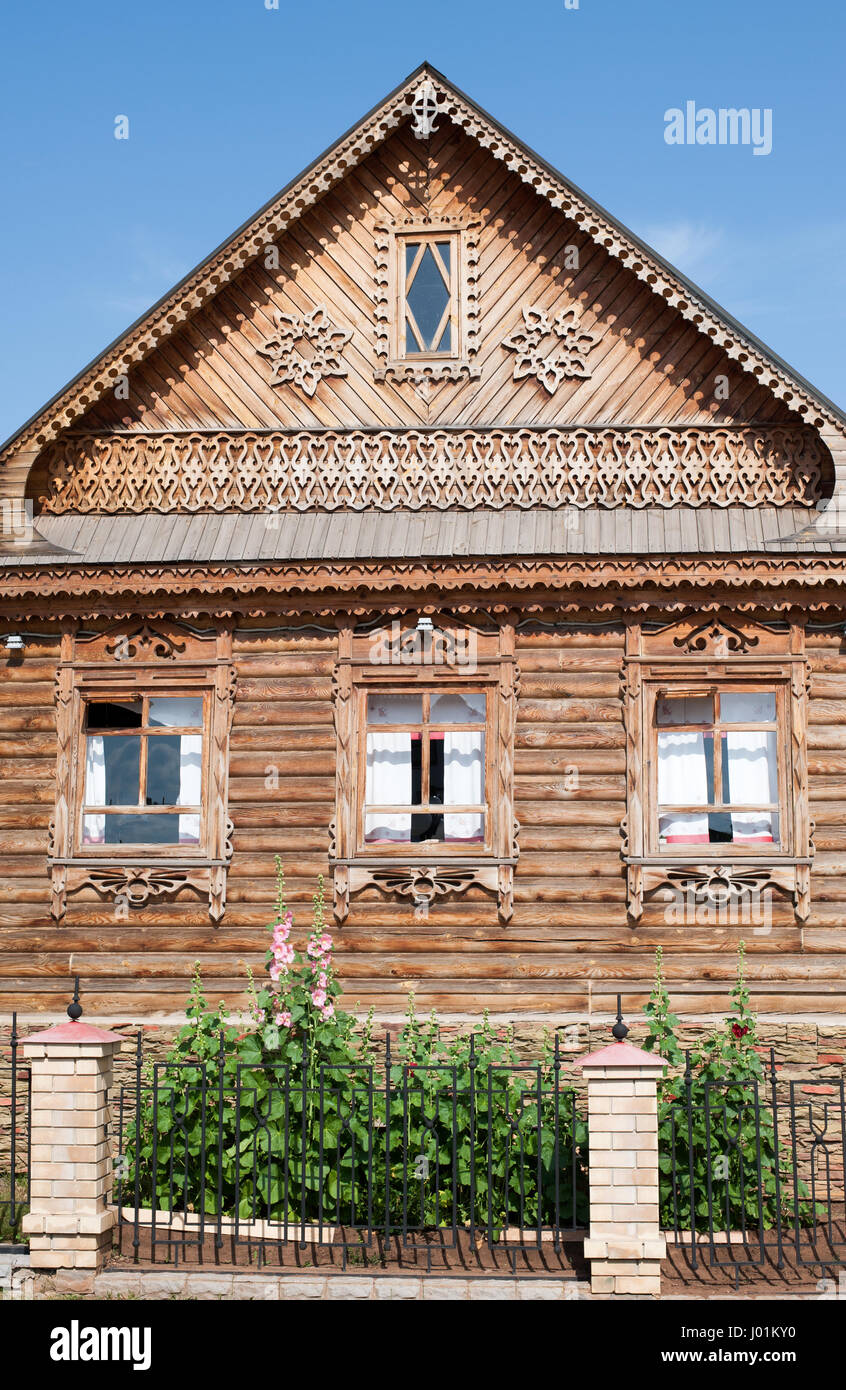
(568, 949)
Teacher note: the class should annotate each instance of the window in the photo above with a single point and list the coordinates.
(143, 723)
(716, 715)
(717, 768)
(143, 770)
(426, 311)
(428, 318)
(425, 776)
(424, 718)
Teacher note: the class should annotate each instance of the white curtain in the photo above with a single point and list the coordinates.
(683, 781)
(464, 784)
(388, 784)
(95, 789)
(752, 780)
(190, 785)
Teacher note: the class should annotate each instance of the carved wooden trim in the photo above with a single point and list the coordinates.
(391, 366)
(133, 657)
(778, 584)
(714, 650)
(325, 343)
(395, 657)
(414, 468)
(553, 350)
(272, 221)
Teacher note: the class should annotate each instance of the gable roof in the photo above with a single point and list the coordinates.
(251, 239)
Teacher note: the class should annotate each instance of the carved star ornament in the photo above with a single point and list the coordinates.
(304, 350)
(552, 350)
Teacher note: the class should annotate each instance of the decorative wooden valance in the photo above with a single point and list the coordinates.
(404, 657)
(122, 662)
(705, 651)
(354, 470)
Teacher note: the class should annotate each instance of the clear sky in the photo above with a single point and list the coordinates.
(228, 99)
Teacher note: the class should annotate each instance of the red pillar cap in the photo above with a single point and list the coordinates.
(621, 1054)
(74, 1032)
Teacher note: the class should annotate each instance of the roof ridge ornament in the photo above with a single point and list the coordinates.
(426, 106)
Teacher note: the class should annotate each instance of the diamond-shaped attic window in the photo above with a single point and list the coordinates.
(428, 296)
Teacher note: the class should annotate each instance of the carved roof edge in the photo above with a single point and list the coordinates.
(286, 207)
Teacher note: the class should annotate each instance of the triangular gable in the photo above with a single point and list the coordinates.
(425, 95)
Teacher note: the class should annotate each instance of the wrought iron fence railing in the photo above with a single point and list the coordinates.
(379, 1157)
(751, 1170)
(15, 1139)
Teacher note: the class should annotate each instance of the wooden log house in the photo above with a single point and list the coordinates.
(438, 536)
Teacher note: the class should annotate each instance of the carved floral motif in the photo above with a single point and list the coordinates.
(304, 350)
(551, 349)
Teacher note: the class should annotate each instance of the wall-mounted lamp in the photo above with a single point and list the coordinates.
(14, 642)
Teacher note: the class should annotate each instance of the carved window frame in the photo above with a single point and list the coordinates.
(126, 661)
(685, 656)
(460, 363)
(397, 657)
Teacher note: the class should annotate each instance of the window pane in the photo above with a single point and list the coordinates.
(388, 783)
(748, 707)
(458, 707)
(427, 297)
(685, 769)
(177, 712)
(136, 830)
(394, 709)
(685, 709)
(114, 714)
(112, 768)
(174, 770)
(675, 829)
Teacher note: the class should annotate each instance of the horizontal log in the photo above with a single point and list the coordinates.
(573, 712)
(572, 787)
(256, 789)
(249, 756)
(251, 689)
(568, 684)
(281, 714)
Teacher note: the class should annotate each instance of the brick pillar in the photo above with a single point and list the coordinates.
(70, 1217)
(625, 1246)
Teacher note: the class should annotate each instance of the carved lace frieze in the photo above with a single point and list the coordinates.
(554, 349)
(305, 349)
(419, 468)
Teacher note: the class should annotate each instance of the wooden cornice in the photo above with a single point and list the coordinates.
(253, 238)
(814, 581)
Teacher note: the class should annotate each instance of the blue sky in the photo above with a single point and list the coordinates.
(228, 99)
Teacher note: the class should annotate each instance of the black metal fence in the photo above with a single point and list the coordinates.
(380, 1163)
(752, 1172)
(15, 1140)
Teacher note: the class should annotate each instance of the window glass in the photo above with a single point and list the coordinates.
(719, 769)
(685, 709)
(394, 709)
(140, 829)
(115, 714)
(747, 707)
(458, 707)
(176, 712)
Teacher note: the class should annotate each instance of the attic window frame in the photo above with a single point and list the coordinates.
(424, 368)
(402, 311)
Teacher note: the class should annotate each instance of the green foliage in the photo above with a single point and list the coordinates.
(715, 1122)
(299, 1116)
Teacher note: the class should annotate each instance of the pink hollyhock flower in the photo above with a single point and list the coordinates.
(284, 955)
(325, 942)
(318, 998)
(328, 1011)
(321, 980)
(283, 1019)
(280, 934)
(275, 971)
